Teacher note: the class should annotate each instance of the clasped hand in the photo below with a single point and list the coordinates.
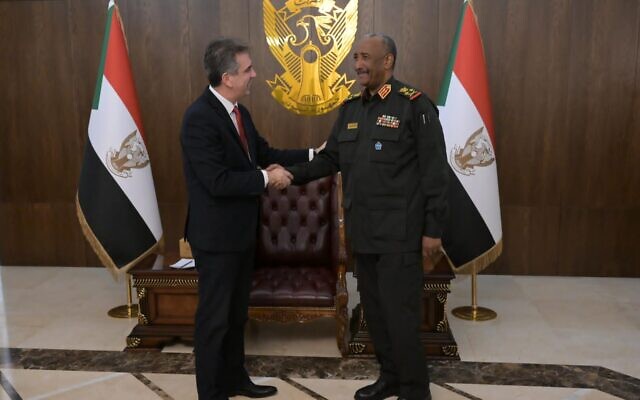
(431, 249)
(279, 177)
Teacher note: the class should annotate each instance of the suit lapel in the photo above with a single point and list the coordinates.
(231, 128)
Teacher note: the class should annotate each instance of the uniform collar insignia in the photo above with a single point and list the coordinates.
(384, 91)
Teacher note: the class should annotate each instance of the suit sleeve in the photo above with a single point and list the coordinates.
(204, 151)
(433, 164)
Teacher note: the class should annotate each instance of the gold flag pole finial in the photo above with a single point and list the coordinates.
(128, 310)
(474, 312)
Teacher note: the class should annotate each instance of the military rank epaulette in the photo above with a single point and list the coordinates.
(410, 93)
(352, 97)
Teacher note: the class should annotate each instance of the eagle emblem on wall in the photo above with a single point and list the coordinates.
(310, 39)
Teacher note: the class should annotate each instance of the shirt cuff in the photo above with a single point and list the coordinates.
(266, 177)
(312, 153)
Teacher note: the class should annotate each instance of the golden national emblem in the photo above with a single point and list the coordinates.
(310, 39)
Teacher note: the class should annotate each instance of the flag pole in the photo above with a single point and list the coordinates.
(474, 312)
(128, 310)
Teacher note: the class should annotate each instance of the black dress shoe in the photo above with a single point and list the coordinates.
(250, 389)
(379, 390)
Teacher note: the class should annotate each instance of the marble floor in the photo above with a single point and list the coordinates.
(554, 338)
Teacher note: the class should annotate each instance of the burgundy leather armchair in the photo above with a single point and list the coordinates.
(301, 257)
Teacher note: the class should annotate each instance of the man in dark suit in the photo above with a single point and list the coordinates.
(389, 146)
(223, 154)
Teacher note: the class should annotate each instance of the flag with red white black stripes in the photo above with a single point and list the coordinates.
(116, 200)
(473, 237)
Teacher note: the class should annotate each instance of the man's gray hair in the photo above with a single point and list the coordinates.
(220, 58)
(389, 44)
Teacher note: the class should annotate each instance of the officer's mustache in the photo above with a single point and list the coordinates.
(362, 71)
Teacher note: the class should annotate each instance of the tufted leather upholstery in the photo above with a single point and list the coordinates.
(294, 287)
(298, 246)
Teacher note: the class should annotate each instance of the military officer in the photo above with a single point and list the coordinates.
(389, 146)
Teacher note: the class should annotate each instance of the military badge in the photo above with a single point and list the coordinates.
(477, 152)
(310, 84)
(411, 93)
(378, 146)
(352, 125)
(388, 121)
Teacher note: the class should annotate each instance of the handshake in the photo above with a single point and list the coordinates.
(279, 177)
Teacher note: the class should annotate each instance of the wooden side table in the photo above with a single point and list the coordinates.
(168, 299)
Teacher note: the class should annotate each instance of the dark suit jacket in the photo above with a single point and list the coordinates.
(223, 184)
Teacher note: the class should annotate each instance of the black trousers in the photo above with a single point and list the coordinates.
(390, 287)
(224, 283)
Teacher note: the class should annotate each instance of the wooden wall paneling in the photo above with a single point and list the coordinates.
(599, 242)
(8, 107)
(42, 125)
(526, 63)
(173, 217)
(629, 141)
(527, 92)
(86, 23)
(413, 25)
(516, 224)
(235, 23)
(234, 18)
(38, 234)
(613, 237)
(205, 21)
(530, 247)
(42, 137)
(366, 20)
(601, 81)
(597, 117)
(625, 260)
(618, 54)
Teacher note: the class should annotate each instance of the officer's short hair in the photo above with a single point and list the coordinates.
(220, 58)
(390, 45)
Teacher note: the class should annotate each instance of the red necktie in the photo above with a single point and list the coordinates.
(243, 137)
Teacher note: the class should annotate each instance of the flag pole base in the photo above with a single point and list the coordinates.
(128, 310)
(125, 311)
(471, 313)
